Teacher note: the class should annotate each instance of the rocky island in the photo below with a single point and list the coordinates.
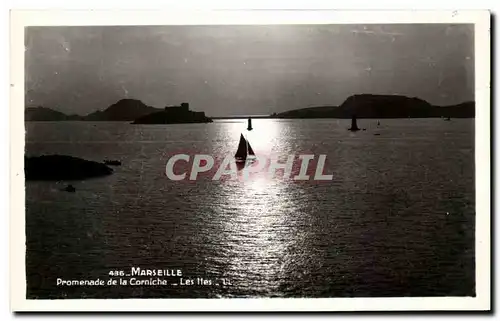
(174, 115)
(123, 110)
(131, 110)
(62, 167)
(383, 106)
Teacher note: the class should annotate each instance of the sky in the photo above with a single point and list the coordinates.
(245, 70)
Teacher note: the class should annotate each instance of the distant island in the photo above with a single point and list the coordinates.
(362, 105)
(382, 106)
(174, 115)
(123, 110)
(47, 114)
(131, 110)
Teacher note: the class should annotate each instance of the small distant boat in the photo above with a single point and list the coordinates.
(249, 123)
(378, 123)
(112, 162)
(70, 188)
(354, 125)
(244, 151)
(447, 119)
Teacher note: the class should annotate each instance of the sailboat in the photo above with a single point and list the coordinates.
(244, 151)
(354, 125)
(249, 123)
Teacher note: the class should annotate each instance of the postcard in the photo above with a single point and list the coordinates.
(250, 160)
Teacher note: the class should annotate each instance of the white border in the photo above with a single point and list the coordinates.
(20, 19)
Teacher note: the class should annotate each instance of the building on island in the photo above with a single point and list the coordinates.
(174, 115)
(183, 108)
(182, 111)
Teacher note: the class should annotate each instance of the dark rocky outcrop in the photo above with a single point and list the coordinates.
(174, 115)
(62, 167)
(386, 106)
(123, 110)
(383, 106)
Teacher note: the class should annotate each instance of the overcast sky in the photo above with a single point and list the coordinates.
(238, 70)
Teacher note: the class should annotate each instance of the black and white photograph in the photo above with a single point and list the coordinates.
(234, 160)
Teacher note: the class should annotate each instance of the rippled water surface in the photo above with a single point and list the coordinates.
(397, 219)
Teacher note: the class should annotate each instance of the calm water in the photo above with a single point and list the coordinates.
(396, 220)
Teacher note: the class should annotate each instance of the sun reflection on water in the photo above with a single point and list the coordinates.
(264, 138)
(258, 236)
(258, 228)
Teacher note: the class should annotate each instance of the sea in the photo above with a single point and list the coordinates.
(397, 217)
